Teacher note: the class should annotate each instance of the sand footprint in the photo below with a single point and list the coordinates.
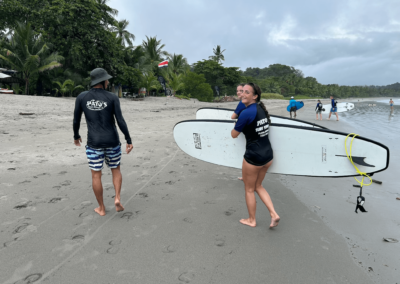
(169, 249)
(186, 277)
(188, 220)
(219, 241)
(229, 212)
(114, 246)
(30, 279)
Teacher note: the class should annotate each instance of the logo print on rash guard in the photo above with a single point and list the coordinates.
(96, 105)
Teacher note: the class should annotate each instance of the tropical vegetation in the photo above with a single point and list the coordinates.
(54, 44)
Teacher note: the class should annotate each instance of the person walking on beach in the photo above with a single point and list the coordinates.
(254, 122)
(240, 107)
(391, 103)
(293, 107)
(318, 110)
(333, 109)
(101, 109)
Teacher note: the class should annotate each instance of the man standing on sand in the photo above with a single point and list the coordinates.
(333, 109)
(293, 107)
(101, 109)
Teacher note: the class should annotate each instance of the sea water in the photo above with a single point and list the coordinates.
(376, 120)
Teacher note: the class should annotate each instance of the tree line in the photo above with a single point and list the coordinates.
(54, 44)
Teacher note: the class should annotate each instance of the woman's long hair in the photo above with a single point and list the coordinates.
(257, 91)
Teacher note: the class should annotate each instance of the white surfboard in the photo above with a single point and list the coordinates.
(341, 107)
(226, 114)
(302, 151)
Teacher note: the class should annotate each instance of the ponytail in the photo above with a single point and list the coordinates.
(257, 91)
(266, 111)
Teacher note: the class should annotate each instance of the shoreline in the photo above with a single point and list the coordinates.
(180, 222)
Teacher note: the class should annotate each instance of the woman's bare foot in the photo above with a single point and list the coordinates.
(100, 211)
(248, 222)
(118, 206)
(274, 222)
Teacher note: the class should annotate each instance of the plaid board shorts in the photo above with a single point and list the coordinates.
(96, 157)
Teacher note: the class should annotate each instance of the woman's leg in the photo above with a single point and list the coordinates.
(264, 196)
(250, 174)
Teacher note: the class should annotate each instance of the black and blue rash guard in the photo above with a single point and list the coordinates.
(254, 124)
(100, 108)
(240, 107)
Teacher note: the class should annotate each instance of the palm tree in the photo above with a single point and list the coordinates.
(175, 82)
(153, 51)
(218, 56)
(120, 30)
(177, 63)
(28, 53)
(148, 82)
(63, 87)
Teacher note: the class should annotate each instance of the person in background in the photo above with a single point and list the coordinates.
(101, 110)
(240, 107)
(391, 103)
(293, 108)
(318, 110)
(254, 122)
(333, 109)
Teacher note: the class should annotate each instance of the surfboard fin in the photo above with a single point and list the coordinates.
(358, 160)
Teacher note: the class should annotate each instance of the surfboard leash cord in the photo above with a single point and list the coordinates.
(360, 198)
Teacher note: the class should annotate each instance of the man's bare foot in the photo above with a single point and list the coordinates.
(248, 222)
(240, 178)
(118, 206)
(274, 222)
(100, 211)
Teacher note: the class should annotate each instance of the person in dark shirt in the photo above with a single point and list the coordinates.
(333, 109)
(318, 110)
(101, 109)
(254, 122)
(240, 106)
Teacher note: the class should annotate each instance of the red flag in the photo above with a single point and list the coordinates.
(163, 64)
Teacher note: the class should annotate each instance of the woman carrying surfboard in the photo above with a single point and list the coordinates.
(254, 122)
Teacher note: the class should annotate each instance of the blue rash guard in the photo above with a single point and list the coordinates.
(100, 108)
(318, 107)
(333, 103)
(292, 103)
(240, 107)
(254, 124)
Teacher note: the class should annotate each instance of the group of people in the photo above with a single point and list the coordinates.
(102, 109)
(320, 108)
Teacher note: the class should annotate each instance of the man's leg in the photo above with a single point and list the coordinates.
(98, 192)
(117, 181)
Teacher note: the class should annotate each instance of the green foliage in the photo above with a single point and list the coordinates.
(149, 81)
(218, 56)
(226, 78)
(63, 87)
(196, 86)
(271, 96)
(28, 53)
(120, 31)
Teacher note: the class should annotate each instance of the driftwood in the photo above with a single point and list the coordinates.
(26, 113)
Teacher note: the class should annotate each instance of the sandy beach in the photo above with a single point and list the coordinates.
(181, 218)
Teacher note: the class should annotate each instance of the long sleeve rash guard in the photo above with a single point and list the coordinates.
(100, 108)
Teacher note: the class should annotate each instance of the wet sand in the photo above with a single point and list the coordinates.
(181, 218)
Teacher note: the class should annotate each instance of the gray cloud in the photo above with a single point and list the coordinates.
(338, 42)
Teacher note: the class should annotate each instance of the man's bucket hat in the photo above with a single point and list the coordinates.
(98, 75)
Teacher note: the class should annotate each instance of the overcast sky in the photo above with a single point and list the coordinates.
(346, 42)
